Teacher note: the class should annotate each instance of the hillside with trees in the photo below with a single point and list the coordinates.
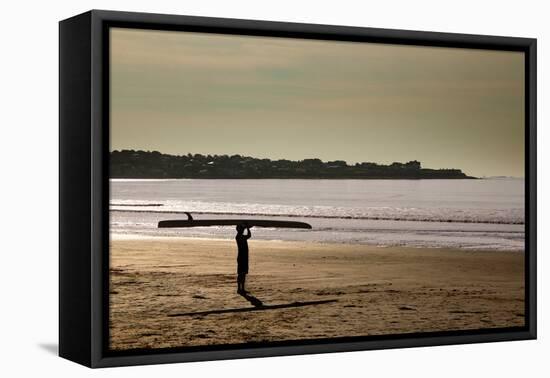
(153, 164)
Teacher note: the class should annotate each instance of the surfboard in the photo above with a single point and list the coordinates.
(190, 222)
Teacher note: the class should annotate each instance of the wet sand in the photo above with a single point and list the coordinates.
(176, 292)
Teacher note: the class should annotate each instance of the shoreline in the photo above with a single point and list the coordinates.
(116, 237)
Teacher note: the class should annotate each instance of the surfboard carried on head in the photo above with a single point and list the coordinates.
(190, 222)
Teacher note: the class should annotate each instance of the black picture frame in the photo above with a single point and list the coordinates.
(84, 189)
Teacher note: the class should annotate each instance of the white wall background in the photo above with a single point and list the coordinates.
(29, 142)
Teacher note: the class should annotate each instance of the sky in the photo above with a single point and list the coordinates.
(281, 98)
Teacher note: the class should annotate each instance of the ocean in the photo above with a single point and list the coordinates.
(485, 214)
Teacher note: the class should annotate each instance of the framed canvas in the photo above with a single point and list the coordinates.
(234, 188)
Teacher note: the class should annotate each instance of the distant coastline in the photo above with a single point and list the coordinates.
(139, 164)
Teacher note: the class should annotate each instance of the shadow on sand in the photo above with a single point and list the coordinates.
(252, 299)
(258, 306)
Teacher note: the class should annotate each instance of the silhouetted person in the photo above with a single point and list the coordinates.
(242, 256)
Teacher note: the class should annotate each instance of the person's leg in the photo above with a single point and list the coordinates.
(244, 280)
(240, 282)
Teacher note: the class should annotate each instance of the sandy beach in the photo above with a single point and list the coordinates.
(174, 292)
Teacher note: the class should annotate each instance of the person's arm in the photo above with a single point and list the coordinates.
(249, 234)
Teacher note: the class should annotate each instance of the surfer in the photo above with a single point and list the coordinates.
(242, 256)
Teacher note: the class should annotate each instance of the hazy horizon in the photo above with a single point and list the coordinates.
(277, 98)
